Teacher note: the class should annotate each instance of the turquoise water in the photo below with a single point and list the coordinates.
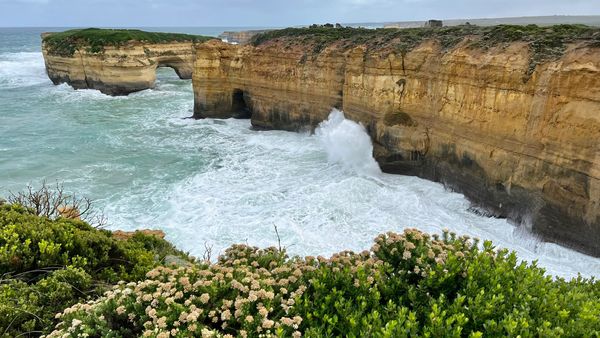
(218, 182)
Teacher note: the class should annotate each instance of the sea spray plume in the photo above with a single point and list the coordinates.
(347, 143)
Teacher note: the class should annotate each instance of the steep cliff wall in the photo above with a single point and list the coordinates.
(241, 37)
(88, 59)
(518, 137)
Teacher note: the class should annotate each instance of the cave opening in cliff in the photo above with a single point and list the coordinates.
(166, 73)
(239, 104)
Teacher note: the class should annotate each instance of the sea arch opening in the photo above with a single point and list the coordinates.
(183, 68)
(239, 104)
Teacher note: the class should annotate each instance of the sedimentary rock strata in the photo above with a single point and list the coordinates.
(119, 70)
(520, 139)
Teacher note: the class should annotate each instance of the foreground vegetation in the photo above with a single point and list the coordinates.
(49, 264)
(95, 39)
(546, 43)
(64, 275)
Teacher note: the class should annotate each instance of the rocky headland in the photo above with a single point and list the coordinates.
(507, 115)
(116, 62)
(241, 37)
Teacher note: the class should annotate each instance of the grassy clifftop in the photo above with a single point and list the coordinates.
(448, 36)
(95, 39)
(546, 43)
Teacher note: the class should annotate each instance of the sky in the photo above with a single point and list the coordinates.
(268, 13)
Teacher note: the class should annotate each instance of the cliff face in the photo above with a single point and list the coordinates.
(523, 145)
(241, 37)
(119, 70)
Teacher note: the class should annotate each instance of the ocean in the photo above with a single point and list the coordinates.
(219, 182)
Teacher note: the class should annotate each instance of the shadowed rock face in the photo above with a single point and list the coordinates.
(120, 70)
(524, 146)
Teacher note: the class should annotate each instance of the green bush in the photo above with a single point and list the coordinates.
(49, 264)
(409, 284)
(95, 39)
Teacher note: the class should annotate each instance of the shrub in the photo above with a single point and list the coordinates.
(398, 118)
(54, 202)
(247, 292)
(49, 264)
(409, 284)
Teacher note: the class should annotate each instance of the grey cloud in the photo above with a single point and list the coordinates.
(268, 12)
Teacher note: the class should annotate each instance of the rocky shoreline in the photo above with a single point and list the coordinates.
(512, 125)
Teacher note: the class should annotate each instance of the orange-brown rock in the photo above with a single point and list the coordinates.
(69, 211)
(524, 145)
(119, 70)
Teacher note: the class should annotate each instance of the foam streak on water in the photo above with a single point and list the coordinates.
(219, 181)
(21, 69)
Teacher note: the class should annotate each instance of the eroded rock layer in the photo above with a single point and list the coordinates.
(119, 70)
(521, 142)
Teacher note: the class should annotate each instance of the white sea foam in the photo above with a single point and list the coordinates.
(346, 142)
(22, 69)
(320, 201)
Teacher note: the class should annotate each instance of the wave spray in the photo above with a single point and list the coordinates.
(348, 144)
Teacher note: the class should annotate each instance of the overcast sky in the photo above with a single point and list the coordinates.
(138, 13)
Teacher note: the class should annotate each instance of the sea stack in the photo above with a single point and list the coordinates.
(116, 62)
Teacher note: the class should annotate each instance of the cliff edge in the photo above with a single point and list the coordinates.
(507, 115)
(116, 62)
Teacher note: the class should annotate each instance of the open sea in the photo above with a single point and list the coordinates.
(218, 182)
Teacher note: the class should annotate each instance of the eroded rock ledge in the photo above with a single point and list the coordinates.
(516, 133)
(119, 66)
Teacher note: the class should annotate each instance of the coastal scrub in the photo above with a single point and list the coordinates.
(95, 39)
(409, 284)
(49, 264)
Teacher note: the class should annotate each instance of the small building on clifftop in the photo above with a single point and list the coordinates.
(433, 23)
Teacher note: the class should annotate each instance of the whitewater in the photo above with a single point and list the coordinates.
(218, 182)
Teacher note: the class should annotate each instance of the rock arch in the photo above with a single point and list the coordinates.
(182, 67)
(120, 70)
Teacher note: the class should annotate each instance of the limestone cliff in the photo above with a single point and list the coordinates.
(241, 37)
(518, 137)
(114, 69)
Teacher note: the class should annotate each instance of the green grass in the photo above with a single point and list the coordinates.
(95, 39)
(546, 43)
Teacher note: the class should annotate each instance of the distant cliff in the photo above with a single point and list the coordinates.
(241, 37)
(509, 116)
(116, 62)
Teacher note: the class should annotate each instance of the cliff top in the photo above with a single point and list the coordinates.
(95, 39)
(448, 36)
(546, 43)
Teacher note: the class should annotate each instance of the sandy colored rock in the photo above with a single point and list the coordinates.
(241, 37)
(119, 70)
(525, 147)
(69, 211)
